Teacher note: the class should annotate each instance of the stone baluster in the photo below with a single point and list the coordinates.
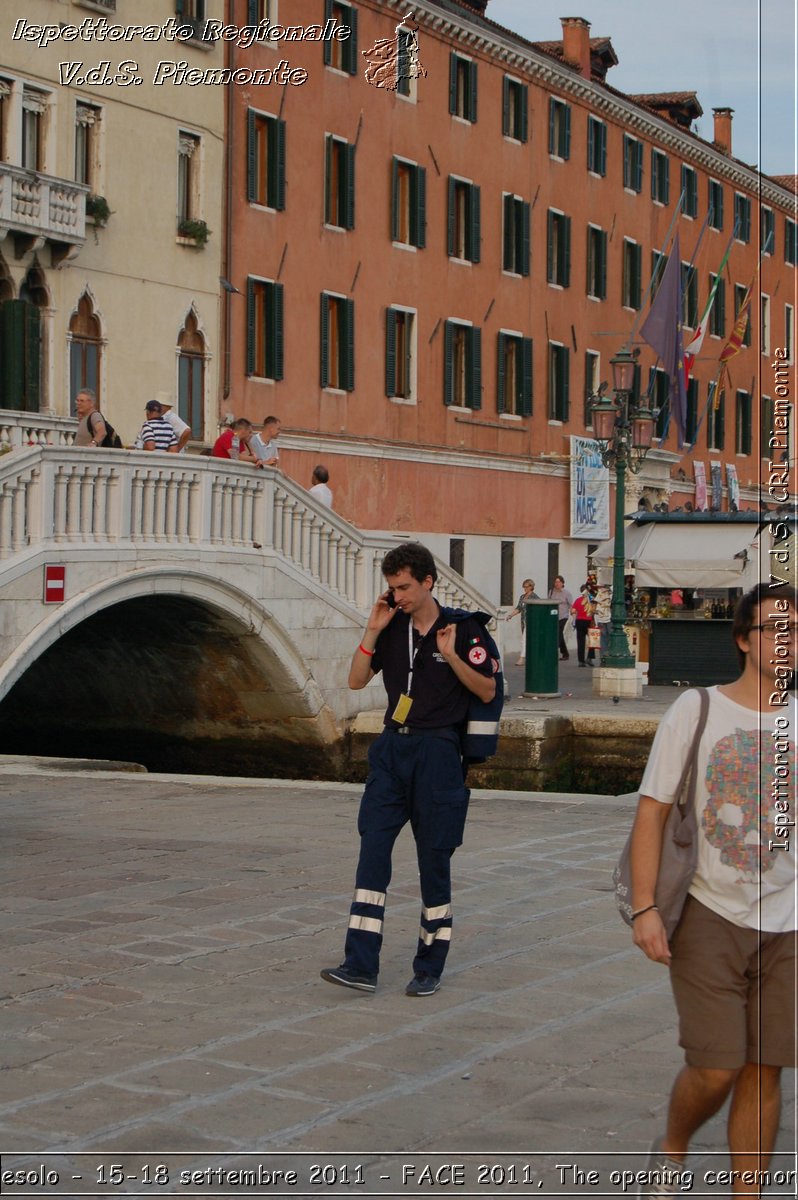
(289, 509)
(20, 536)
(73, 498)
(6, 520)
(147, 506)
(160, 486)
(350, 588)
(173, 485)
(236, 535)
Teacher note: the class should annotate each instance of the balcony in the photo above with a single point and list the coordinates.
(36, 207)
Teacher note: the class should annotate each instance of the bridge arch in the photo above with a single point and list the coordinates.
(173, 668)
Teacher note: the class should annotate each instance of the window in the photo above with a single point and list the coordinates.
(632, 163)
(592, 367)
(5, 104)
(742, 425)
(34, 107)
(191, 376)
(660, 181)
(188, 177)
(462, 87)
(463, 234)
(764, 325)
(337, 342)
(409, 203)
(715, 204)
(596, 263)
(87, 133)
(265, 326)
(339, 185)
(689, 296)
(596, 146)
(740, 293)
(689, 191)
(558, 382)
(717, 316)
(20, 363)
(514, 375)
(790, 242)
(658, 388)
(261, 10)
(691, 423)
(767, 230)
(789, 333)
(265, 160)
(341, 54)
(516, 235)
(506, 573)
(515, 109)
(406, 73)
(559, 128)
(766, 430)
(716, 419)
(189, 12)
(632, 274)
(558, 249)
(400, 354)
(85, 349)
(658, 265)
(457, 555)
(742, 217)
(462, 353)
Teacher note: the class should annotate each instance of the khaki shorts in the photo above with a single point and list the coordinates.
(734, 990)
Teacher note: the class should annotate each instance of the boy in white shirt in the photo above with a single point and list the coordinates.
(264, 444)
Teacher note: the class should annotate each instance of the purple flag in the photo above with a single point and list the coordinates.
(662, 329)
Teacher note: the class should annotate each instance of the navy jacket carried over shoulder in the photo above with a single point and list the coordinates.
(480, 737)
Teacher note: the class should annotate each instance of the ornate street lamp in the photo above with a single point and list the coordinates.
(624, 432)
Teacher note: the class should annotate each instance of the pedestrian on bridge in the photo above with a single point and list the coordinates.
(433, 662)
(91, 429)
(155, 433)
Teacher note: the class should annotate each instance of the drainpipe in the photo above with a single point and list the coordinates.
(228, 220)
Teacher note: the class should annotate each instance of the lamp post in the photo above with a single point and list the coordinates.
(624, 432)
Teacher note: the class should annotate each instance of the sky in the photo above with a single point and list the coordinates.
(738, 54)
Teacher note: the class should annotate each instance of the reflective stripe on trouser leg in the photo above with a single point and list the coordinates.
(435, 930)
(364, 934)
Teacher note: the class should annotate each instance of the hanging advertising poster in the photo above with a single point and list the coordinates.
(700, 476)
(733, 485)
(590, 491)
(717, 487)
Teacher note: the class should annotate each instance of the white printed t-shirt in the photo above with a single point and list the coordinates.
(746, 764)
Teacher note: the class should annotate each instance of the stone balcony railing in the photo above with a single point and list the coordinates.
(35, 429)
(42, 205)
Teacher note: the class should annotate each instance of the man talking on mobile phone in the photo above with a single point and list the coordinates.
(432, 662)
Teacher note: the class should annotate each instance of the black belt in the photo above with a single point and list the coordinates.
(412, 731)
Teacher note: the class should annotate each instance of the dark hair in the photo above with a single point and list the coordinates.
(321, 474)
(242, 423)
(413, 557)
(745, 611)
(271, 421)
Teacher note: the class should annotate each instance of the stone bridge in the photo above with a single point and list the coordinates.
(207, 615)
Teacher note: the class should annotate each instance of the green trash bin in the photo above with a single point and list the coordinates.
(542, 661)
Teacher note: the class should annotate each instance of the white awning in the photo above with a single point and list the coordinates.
(680, 554)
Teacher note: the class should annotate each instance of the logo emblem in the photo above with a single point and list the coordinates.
(477, 655)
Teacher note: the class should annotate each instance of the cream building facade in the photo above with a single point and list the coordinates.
(111, 221)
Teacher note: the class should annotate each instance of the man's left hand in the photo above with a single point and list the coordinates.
(446, 639)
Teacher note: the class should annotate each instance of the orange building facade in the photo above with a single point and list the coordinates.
(434, 277)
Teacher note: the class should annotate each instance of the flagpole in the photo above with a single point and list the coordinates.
(638, 318)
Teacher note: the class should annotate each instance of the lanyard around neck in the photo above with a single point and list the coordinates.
(412, 652)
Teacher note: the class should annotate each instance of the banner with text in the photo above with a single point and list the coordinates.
(590, 491)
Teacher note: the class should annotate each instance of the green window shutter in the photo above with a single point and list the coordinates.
(394, 200)
(252, 12)
(448, 364)
(328, 154)
(472, 91)
(450, 219)
(526, 394)
(552, 126)
(567, 148)
(350, 45)
(506, 107)
(13, 355)
(550, 246)
(278, 331)
(565, 365)
(603, 265)
(603, 151)
(524, 131)
(474, 247)
(638, 168)
(390, 352)
(501, 405)
(250, 327)
(566, 252)
(627, 161)
(474, 369)
(653, 175)
(420, 207)
(278, 175)
(325, 341)
(349, 159)
(252, 145)
(349, 366)
(507, 248)
(667, 173)
(526, 238)
(327, 41)
(453, 83)
(637, 274)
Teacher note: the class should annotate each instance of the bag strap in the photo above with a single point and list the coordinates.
(686, 795)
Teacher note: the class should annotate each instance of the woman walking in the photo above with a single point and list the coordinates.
(527, 594)
(565, 600)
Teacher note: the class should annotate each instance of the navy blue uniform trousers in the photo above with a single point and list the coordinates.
(416, 778)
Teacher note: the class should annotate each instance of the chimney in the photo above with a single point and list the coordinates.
(576, 43)
(723, 132)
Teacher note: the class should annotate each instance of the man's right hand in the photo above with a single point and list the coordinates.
(648, 933)
(381, 614)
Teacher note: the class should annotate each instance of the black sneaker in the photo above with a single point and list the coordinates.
(350, 979)
(422, 985)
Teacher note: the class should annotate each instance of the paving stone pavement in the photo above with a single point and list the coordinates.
(162, 941)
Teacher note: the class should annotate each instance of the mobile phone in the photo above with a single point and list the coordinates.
(390, 599)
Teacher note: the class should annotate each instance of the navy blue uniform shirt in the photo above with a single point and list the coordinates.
(439, 698)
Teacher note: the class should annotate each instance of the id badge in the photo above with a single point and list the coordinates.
(402, 709)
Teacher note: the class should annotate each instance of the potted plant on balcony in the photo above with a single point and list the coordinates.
(97, 208)
(196, 231)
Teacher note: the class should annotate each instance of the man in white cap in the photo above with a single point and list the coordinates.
(182, 430)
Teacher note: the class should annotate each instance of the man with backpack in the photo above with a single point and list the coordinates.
(92, 429)
(437, 665)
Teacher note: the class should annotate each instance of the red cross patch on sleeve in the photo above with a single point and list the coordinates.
(477, 655)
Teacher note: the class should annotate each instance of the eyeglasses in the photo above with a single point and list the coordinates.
(771, 628)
